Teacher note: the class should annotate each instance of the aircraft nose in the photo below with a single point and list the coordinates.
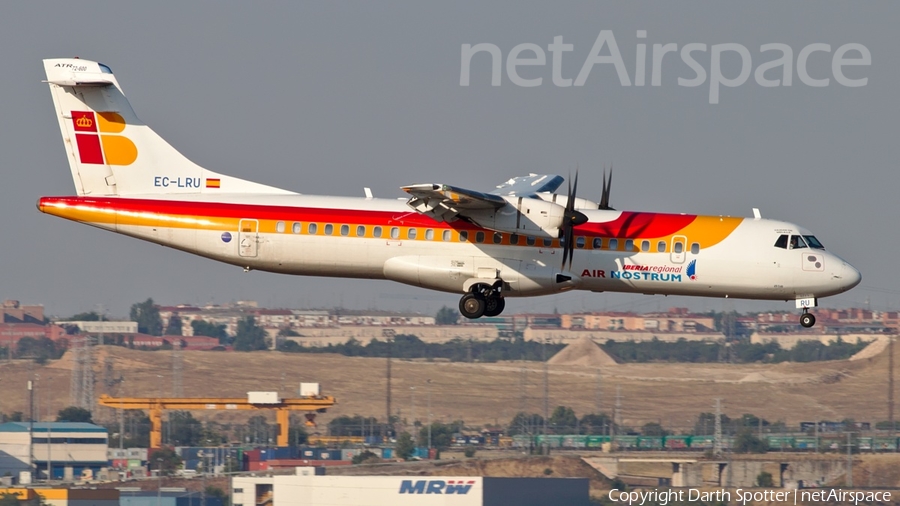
(850, 277)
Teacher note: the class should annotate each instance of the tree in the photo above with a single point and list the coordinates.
(563, 419)
(366, 457)
(653, 429)
(9, 499)
(184, 429)
(764, 479)
(165, 461)
(217, 330)
(747, 442)
(174, 326)
(250, 336)
(16, 416)
(593, 423)
(146, 314)
(91, 316)
(524, 423)
(441, 434)
(447, 316)
(74, 414)
(41, 349)
(404, 446)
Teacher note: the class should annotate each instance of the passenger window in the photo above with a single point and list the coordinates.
(645, 245)
(548, 242)
(329, 229)
(782, 241)
(345, 230)
(279, 227)
(598, 243)
(613, 244)
(695, 248)
(395, 233)
(447, 236)
(629, 245)
(429, 234)
(411, 234)
(297, 228)
(498, 237)
(562, 242)
(529, 240)
(813, 242)
(479, 237)
(313, 228)
(463, 236)
(579, 241)
(661, 246)
(679, 247)
(514, 239)
(360, 231)
(797, 242)
(376, 231)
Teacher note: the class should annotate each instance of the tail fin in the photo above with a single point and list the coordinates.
(111, 152)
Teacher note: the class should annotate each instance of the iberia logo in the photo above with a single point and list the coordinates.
(94, 146)
(692, 269)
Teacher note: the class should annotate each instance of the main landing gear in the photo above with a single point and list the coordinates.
(482, 300)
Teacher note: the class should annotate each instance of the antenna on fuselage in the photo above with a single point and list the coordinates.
(756, 214)
(368, 192)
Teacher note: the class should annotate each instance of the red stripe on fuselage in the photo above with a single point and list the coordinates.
(628, 224)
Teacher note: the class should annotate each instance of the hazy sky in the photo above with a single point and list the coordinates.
(329, 97)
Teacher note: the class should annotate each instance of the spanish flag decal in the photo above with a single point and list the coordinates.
(213, 183)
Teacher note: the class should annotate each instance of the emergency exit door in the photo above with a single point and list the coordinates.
(248, 238)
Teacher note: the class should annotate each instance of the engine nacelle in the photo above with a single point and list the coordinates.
(556, 198)
(525, 216)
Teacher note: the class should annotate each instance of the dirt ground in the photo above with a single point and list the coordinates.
(673, 394)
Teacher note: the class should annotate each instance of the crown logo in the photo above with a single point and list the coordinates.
(84, 122)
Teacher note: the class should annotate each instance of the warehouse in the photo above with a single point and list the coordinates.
(72, 450)
(307, 489)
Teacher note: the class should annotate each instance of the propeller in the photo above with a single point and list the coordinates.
(571, 219)
(607, 186)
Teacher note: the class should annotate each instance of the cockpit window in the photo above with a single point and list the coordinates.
(782, 241)
(797, 242)
(813, 242)
(104, 69)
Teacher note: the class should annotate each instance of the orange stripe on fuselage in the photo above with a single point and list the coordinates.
(705, 230)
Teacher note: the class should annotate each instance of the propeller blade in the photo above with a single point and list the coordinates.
(607, 188)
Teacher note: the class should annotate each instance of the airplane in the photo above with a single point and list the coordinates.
(520, 239)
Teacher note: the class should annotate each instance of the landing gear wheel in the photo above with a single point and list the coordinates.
(472, 305)
(807, 320)
(494, 306)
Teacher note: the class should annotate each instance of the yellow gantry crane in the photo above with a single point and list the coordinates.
(282, 407)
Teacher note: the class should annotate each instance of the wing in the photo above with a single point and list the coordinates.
(444, 202)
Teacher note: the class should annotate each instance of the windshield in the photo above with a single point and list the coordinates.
(813, 242)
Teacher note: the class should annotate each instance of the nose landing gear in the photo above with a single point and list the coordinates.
(482, 300)
(807, 319)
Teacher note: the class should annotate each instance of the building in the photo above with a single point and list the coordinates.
(73, 451)
(67, 496)
(675, 320)
(11, 333)
(307, 489)
(107, 327)
(13, 312)
(167, 496)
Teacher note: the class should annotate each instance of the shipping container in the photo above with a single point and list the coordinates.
(115, 453)
(373, 440)
(257, 466)
(348, 454)
(387, 453)
(677, 442)
(263, 398)
(133, 464)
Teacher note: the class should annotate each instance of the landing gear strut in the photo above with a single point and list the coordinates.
(482, 300)
(807, 319)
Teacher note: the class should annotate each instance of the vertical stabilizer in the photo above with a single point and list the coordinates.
(111, 152)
